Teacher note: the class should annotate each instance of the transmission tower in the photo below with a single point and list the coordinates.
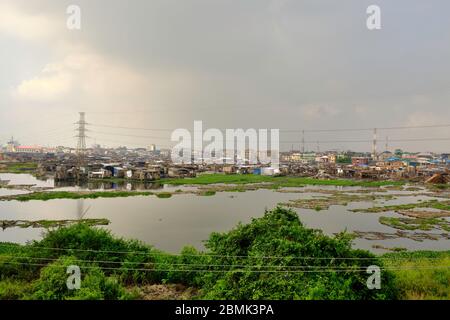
(81, 135)
(374, 144)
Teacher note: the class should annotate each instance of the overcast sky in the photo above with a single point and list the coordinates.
(299, 64)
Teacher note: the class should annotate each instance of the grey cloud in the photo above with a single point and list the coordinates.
(257, 64)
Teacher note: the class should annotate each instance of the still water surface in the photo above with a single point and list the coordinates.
(187, 219)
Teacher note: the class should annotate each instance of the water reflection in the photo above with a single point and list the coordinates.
(107, 185)
(184, 219)
(81, 210)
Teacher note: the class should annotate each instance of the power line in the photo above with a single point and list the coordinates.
(298, 267)
(129, 128)
(232, 270)
(371, 129)
(186, 264)
(202, 254)
(130, 135)
(294, 130)
(295, 141)
(366, 141)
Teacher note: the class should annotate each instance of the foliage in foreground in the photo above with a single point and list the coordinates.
(320, 267)
(421, 274)
(273, 257)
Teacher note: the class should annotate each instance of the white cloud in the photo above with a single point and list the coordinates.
(424, 118)
(45, 87)
(24, 25)
(317, 111)
(85, 74)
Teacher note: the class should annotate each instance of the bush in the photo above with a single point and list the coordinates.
(13, 290)
(51, 284)
(117, 255)
(273, 257)
(280, 239)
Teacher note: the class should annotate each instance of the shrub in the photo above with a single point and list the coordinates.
(280, 239)
(13, 290)
(51, 284)
(98, 245)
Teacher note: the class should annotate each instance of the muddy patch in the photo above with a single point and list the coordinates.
(167, 292)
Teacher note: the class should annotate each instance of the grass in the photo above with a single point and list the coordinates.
(18, 167)
(207, 193)
(438, 187)
(14, 289)
(49, 223)
(425, 224)
(44, 196)
(278, 181)
(163, 195)
(433, 204)
(424, 274)
(335, 198)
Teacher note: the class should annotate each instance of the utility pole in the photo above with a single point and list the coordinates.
(374, 144)
(387, 142)
(81, 135)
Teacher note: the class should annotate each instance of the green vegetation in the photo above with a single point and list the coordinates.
(438, 187)
(273, 257)
(51, 284)
(416, 223)
(207, 193)
(18, 167)
(14, 289)
(279, 181)
(163, 195)
(38, 270)
(421, 274)
(335, 198)
(4, 224)
(392, 249)
(416, 236)
(311, 263)
(344, 160)
(433, 204)
(51, 195)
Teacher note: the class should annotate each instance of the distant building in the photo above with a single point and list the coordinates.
(309, 157)
(424, 157)
(360, 161)
(385, 155)
(29, 149)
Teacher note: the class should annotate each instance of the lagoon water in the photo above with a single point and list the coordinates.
(187, 219)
